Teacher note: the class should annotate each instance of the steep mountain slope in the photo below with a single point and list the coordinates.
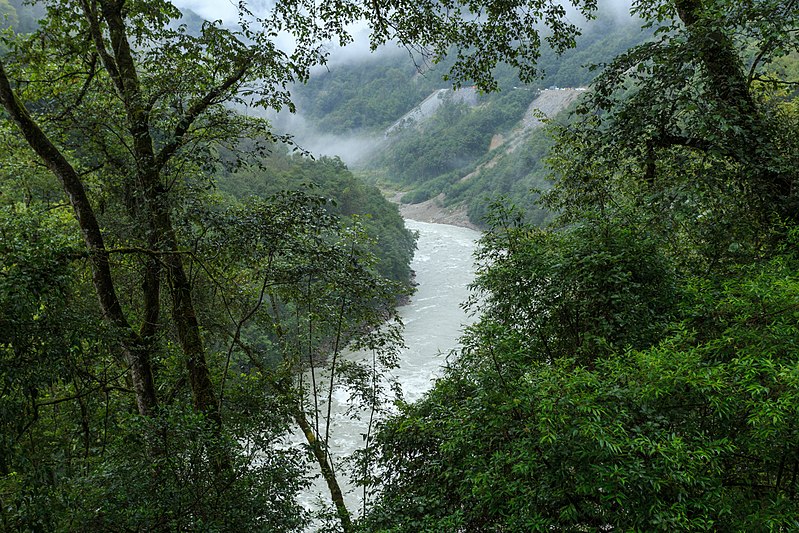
(465, 201)
(546, 106)
(453, 152)
(430, 105)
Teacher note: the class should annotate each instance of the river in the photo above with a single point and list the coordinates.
(434, 321)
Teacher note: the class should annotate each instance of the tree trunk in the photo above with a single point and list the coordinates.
(137, 354)
(319, 453)
(122, 68)
(729, 85)
(326, 468)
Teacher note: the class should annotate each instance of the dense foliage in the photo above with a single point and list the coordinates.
(454, 138)
(159, 402)
(152, 330)
(164, 283)
(635, 363)
(349, 197)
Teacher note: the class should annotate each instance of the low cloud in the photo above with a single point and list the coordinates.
(225, 10)
(352, 148)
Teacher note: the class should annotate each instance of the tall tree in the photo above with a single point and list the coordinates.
(705, 87)
(126, 108)
(129, 48)
(103, 44)
(633, 367)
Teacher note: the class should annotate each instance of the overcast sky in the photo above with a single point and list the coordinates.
(227, 11)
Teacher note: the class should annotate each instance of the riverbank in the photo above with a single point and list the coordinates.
(433, 211)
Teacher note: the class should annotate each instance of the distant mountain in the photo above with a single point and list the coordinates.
(453, 152)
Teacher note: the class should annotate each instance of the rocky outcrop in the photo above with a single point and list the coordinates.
(549, 103)
(422, 112)
(546, 105)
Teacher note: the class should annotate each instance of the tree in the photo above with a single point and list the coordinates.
(701, 91)
(113, 51)
(96, 98)
(126, 109)
(633, 365)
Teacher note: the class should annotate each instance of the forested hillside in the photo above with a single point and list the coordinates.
(450, 154)
(374, 92)
(349, 198)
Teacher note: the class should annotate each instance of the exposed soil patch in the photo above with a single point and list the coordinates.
(433, 210)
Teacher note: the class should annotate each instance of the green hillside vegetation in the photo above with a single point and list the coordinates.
(635, 363)
(370, 94)
(373, 93)
(436, 157)
(454, 138)
(349, 198)
(449, 154)
(517, 176)
(8, 15)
